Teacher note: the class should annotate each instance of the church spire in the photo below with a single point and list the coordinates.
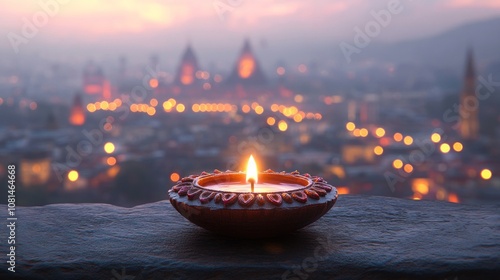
(469, 121)
(186, 73)
(247, 70)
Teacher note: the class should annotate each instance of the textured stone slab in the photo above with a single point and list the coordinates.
(361, 237)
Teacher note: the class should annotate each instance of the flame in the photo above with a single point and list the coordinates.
(252, 169)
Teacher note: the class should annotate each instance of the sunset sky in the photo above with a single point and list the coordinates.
(167, 25)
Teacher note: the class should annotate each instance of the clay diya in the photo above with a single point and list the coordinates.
(252, 205)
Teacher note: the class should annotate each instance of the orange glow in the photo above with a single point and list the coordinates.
(104, 105)
(486, 174)
(252, 172)
(77, 116)
(151, 111)
(134, 108)
(180, 108)
(245, 109)
(356, 133)
(271, 121)
(280, 71)
(445, 148)
(195, 108)
(350, 126)
(378, 150)
(274, 107)
(343, 190)
(33, 105)
(380, 132)
(207, 86)
(111, 161)
(408, 168)
(453, 198)
(398, 137)
(259, 110)
(298, 98)
(153, 102)
(167, 106)
(397, 163)
(420, 186)
(297, 118)
(435, 137)
(282, 125)
(408, 140)
(458, 147)
(246, 66)
(112, 106)
(91, 107)
(175, 177)
(73, 175)
(187, 74)
(109, 147)
(363, 132)
(153, 83)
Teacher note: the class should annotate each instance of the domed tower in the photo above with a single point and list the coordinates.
(77, 114)
(247, 70)
(186, 72)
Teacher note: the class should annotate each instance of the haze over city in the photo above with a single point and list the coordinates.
(280, 30)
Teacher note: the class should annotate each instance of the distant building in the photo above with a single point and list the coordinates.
(188, 66)
(77, 113)
(247, 70)
(469, 124)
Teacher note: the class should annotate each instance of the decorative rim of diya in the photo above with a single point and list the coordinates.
(315, 190)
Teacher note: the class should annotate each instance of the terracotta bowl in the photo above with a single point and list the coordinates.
(252, 215)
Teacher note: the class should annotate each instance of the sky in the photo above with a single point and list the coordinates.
(216, 28)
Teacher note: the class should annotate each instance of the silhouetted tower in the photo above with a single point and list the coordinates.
(247, 70)
(186, 72)
(469, 123)
(77, 115)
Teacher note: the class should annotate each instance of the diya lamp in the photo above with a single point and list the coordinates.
(252, 204)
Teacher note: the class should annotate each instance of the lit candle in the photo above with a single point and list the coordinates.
(267, 184)
(252, 205)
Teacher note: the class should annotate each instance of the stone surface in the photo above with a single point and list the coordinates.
(361, 237)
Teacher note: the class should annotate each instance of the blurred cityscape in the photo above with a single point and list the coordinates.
(122, 133)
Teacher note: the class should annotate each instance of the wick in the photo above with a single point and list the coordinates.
(252, 183)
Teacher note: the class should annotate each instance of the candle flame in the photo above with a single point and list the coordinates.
(252, 169)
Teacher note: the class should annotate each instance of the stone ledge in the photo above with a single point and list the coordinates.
(361, 237)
